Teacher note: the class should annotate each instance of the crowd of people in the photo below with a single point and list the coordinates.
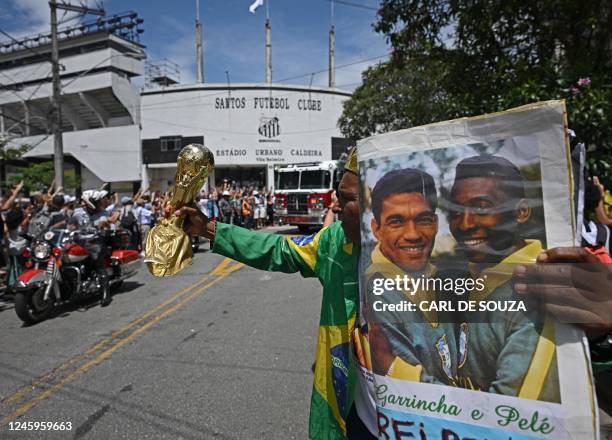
(248, 207)
(23, 217)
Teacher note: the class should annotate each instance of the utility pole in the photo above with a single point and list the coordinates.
(268, 51)
(199, 49)
(332, 50)
(268, 45)
(56, 120)
(332, 58)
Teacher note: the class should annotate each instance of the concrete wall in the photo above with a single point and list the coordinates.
(112, 154)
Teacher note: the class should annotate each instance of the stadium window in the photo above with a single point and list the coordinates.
(171, 143)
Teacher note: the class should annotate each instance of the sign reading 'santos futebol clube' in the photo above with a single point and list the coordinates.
(270, 129)
(267, 103)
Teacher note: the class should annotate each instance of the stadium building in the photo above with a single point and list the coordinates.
(100, 106)
(250, 128)
(113, 132)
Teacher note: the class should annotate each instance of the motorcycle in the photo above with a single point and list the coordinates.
(64, 271)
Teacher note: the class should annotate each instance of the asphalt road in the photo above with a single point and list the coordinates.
(220, 351)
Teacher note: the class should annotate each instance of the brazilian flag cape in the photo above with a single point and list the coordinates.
(328, 256)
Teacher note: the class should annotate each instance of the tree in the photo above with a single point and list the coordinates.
(394, 97)
(478, 56)
(39, 176)
(11, 153)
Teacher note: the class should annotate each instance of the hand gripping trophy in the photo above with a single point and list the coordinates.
(168, 248)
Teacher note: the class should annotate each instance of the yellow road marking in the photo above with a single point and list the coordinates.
(221, 266)
(28, 388)
(221, 271)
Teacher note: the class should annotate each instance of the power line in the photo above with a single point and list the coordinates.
(354, 5)
(38, 87)
(165, 103)
(56, 121)
(41, 83)
(14, 40)
(44, 138)
(21, 99)
(19, 122)
(337, 67)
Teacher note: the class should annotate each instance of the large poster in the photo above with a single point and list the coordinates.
(448, 347)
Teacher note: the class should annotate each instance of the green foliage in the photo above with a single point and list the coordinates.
(454, 58)
(36, 177)
(393, 97)
(11, 153)
(39, 176)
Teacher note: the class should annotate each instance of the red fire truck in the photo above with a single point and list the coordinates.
(303, 192)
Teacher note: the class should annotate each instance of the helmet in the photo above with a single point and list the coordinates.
(99, 195)
(92, 196)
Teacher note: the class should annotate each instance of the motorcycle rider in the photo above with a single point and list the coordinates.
(57, 213)
(92, 221)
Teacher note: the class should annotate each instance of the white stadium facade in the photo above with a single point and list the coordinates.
(115, 131)
(250, 128)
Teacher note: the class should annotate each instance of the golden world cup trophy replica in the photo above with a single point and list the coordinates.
(168, 247)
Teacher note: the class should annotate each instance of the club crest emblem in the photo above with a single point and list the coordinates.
(464, 331)
(445, 356)
(269, 127)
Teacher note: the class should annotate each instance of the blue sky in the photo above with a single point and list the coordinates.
(234, 38)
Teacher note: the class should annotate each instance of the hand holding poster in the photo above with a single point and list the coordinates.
(448, 347)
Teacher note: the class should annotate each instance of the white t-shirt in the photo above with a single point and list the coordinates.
(203, 205)
(143, 215)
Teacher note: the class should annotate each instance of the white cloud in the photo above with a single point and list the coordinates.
(179, 49)
(28, 17)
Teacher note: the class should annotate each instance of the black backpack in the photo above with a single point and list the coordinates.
(128, 221)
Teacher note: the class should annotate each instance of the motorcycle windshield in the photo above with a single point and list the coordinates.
(55, 236)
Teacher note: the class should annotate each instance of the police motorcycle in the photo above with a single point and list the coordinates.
(65, 270)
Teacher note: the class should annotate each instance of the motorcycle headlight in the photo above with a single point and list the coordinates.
(41, 251)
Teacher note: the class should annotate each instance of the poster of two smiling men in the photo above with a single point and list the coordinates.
(449, 347)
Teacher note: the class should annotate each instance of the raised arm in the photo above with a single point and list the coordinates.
(9, 202)
(330, 216)
(260, 250)
(50, 189)
(137, 196)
